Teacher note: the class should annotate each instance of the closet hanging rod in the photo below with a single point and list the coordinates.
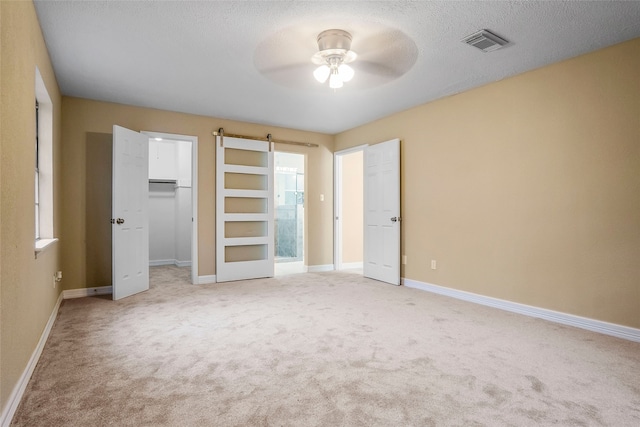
(268, 138)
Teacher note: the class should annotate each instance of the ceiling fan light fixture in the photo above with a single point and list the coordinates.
(335, 81)
(332, 56)
(322, 73)
(346, 72)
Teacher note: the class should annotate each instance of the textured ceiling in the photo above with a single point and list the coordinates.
(217, 58)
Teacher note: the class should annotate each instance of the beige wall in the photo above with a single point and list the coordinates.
(97, 253)
(528, 189)
(27, 296)
(83, 119)
(352, 207)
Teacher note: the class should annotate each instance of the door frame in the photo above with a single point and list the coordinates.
(337, 202)
(304, 268)
(194, 193)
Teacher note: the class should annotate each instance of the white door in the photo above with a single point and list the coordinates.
(382, 212)
(130, 212)
(244, 209)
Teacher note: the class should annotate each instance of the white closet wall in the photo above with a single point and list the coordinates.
(169, 203)
(162, 223)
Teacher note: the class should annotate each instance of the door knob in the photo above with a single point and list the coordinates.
(395, 218)
(120, 221)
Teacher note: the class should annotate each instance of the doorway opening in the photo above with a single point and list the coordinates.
(173, 196)
(289, 184)
(349, 209)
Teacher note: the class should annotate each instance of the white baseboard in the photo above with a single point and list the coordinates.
(619, 331)
(159, 262)
(351, 265)
(204, 280)
(16, 395)
(87, 292)
(320, 268)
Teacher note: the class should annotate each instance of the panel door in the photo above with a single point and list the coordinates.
(244, 210)
(130, 213)
(382, 212)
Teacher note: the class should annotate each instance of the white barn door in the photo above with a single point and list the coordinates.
(130, 213)
(382, 212)
(244, 209)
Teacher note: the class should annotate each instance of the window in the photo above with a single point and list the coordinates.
(43, 195)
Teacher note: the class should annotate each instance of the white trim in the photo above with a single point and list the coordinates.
(159, 262)
(240, 217)
(245, 241)
(194, 210)
(44, 244)
(351, 265)
(251, 194)
(87, 292)
(45, 157)
(250, 170)
(240, 143)
(194, 194)
(18, 391)
(619, 331)
(337, 203)
(351, 150)
(205, 280)
(320, 268)
(337, 210)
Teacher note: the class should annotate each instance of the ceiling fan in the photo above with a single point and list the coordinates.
(333, 56)
(295, 55)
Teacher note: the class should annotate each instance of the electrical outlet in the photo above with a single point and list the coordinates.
(404, 259)
(433, 264)
(57, 277)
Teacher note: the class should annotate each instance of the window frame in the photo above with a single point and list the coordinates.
(43, 186)
(37, 175)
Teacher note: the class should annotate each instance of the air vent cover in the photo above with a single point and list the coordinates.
(485, 40)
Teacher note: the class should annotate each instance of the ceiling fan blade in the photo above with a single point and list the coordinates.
(378, 69)
(290, 75)
(277, 69)
(387, 41)
(388, 54)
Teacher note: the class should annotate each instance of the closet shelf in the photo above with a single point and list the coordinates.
(163, 181)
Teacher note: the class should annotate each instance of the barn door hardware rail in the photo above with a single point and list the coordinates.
(221, 133)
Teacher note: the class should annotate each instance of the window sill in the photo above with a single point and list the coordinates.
(44, 244)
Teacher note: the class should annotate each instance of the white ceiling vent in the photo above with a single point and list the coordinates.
(485, 40)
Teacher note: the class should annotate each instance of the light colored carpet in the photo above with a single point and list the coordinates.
(323, 349)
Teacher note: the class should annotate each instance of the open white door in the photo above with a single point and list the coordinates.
(382, 212)
(244, 209)
(130, 212)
